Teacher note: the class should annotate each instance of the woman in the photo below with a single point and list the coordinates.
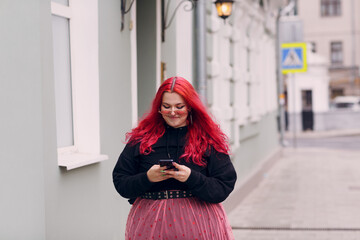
(180, 200)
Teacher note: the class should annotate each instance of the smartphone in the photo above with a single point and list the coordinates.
(167, 163)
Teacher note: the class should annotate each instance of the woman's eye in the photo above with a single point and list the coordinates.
(181, 107)
(167, 107)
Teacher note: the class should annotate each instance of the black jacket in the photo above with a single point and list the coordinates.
(212, 183)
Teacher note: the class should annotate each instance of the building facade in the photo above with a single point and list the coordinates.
(308, 98)
(332, 26)
(73, 82)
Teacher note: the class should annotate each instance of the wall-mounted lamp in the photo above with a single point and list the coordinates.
(224, 8)
(124, 11)
(165, 24)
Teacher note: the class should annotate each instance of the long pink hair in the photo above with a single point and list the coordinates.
(203, 132)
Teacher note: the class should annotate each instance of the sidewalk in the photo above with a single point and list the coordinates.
(308, 194)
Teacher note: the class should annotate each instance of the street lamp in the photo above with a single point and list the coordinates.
(224, 8)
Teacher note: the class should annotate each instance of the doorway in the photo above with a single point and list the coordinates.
(146, 36)
(307, 110)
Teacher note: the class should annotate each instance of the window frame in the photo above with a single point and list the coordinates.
(326, 5)
(313, 47)
(83, 27)
(64, 11)
(332, 53)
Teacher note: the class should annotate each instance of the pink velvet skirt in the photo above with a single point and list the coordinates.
(179, 218)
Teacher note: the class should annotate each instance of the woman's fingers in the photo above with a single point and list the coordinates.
(182, 174)
(157, 173)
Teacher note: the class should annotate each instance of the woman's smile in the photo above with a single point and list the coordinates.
(174, 110)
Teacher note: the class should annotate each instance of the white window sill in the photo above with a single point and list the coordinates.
(72, 160)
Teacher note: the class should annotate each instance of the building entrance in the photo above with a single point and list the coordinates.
(307, 110)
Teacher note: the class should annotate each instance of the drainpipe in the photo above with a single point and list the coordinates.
(280, 82)
(281, 12)
(353, 50)
(200, 46)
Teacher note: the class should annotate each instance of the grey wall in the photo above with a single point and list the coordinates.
(259, 144)
(38, 199)
(257, 141)
(146, 53)
(82, 203)
(168, 47)
(115, 112)
(22, 114)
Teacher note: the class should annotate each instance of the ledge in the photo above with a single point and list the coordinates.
(74, 160)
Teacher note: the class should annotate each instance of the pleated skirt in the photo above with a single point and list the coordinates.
(179, 218)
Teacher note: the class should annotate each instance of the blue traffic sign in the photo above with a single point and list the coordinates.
(293, 57)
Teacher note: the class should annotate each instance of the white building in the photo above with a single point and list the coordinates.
(308, 96)
(73, 83)
(333, 27)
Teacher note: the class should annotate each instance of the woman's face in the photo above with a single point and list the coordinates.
(174, 110)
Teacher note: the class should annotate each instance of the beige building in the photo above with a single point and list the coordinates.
(333, 29)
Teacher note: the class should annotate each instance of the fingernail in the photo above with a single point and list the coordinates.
(162, 171)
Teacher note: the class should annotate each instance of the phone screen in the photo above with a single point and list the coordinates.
(167, 163)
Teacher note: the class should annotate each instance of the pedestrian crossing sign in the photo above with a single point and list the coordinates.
(293, 57)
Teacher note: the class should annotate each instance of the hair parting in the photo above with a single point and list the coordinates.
(173, 84)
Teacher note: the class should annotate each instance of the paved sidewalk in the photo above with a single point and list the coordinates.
(308, 194)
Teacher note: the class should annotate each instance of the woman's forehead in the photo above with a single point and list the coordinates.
(172, 98)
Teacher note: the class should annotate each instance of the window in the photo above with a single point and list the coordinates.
(62, 77)
(248, 83)
(248, 94)
(76, 77)
(337, 92)
(313, 47)
(336, 53)
(306, 96)
(261, 3)
(330, 8)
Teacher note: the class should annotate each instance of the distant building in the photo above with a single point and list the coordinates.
(308, 100)
(333, 28)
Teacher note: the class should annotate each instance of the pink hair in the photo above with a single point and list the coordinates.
(203, 132)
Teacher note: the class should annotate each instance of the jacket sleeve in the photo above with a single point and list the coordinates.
(220, 181)
(128, 181)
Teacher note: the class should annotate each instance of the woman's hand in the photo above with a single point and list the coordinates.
(157, 173)
(182, 175)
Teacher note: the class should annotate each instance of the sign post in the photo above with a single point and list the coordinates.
(293, 60)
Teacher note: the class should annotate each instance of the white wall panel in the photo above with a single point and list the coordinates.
(241, 67)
